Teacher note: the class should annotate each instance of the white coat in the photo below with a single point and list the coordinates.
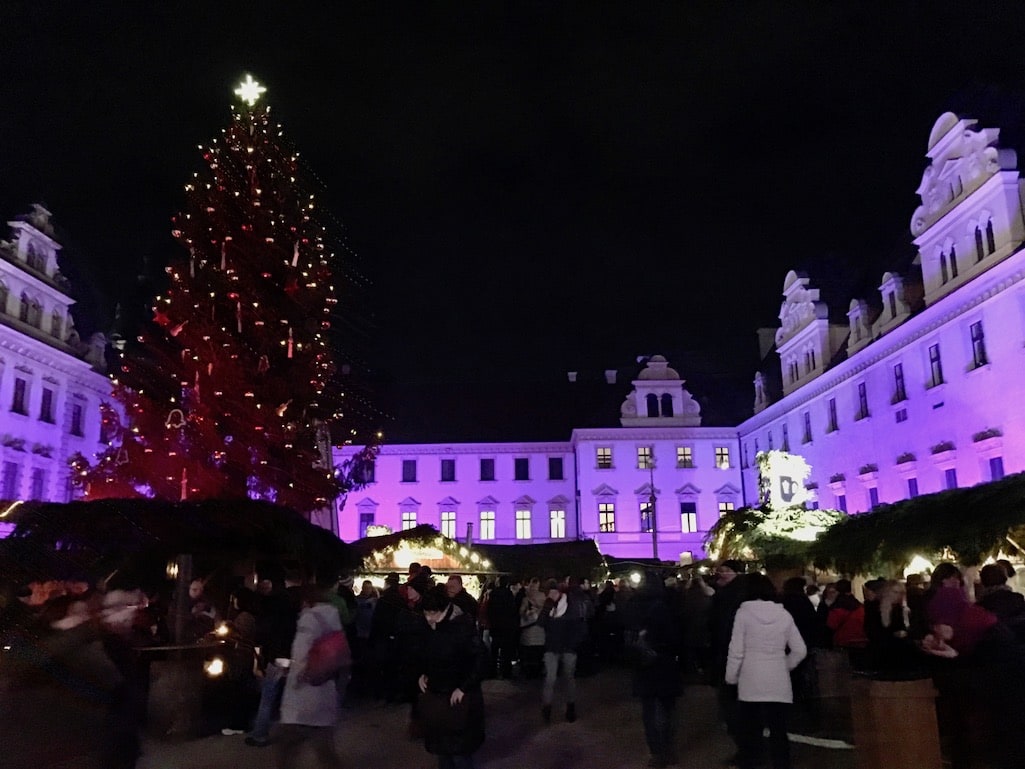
(758, 661)
(302, 703)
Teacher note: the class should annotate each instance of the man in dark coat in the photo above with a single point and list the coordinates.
(652, 624)
(504, 622)
(466, 602)
(276, 612)
(998, 598)
(383, 640)
(728, 596)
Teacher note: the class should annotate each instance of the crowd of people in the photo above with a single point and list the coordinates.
(424, 642)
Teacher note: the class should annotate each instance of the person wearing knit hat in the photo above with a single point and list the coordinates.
(420, 585)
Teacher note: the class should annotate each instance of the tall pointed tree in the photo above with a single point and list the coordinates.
(228, 391)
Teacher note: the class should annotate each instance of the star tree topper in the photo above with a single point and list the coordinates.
(250, 91)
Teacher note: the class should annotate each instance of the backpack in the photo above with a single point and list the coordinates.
(328, 655)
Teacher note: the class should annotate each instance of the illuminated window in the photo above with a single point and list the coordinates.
(555, 470)
(557, 524)
(647, 524)
(978, 345)
(900, 392)
(487, 524)
(689, 517)
(831, 426)
(448, 523)
(725, 507)
(487, 469)
(644, 458)
(409, 471)
(935, 366)
(603, 455)
(521, 469)
(448, 470)
(722, 457)
(522, 524)
(606, 516)
(46, 406)
(408, 519)
(684, 456)
(19, 405)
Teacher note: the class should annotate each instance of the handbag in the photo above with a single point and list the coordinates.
(438, 714)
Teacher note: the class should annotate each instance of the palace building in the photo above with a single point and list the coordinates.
(920, 390)
(51, 381)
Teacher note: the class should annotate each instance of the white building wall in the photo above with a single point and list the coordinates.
(33, 444)
(467, 495)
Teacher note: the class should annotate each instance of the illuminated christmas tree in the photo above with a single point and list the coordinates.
(228, 392)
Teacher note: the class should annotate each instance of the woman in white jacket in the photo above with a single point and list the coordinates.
(759, 664)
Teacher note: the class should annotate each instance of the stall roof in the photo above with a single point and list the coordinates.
(140, 536)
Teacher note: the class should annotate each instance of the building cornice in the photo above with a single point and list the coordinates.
(652, 433)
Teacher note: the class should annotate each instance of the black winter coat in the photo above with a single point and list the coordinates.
(651, 612)
(454, 658)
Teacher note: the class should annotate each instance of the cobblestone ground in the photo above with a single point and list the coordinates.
(607, 735)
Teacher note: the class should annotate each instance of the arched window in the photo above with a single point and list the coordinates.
(23, 308)
(56, 324)
(35, 259)
(990, 240)
(3, 297)
(943, 268)
(979, 253)
(35, 313)
(667, 405)
(953, 261)
(652, 401)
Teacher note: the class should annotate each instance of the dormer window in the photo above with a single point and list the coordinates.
(667, 405)
(36, 260)
(652, 403)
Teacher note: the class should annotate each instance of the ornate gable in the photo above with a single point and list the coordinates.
(962, 158)
(801, 306)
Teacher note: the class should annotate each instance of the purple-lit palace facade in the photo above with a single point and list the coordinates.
(921, 390)
(51, 382)
(928, 390)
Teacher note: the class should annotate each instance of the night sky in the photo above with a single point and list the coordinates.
(531, 188)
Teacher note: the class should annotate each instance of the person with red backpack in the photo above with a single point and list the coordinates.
(309, 705)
